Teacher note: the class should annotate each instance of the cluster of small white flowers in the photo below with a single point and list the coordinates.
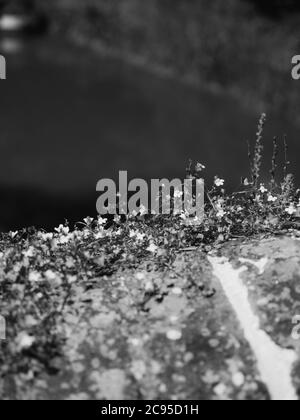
(291, 209)
(178, 194)
(263, 189)
(50, 275)
(101, 222)
(34, 277)
(46, 236)
(219, 182)
(152, 248)
(24, 341)
(62, 230)
(272, 198)
(63, 235)
(138, 236)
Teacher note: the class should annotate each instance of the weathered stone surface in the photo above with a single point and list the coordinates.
(147, 334)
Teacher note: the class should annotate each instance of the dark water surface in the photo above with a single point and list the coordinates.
(69, 118)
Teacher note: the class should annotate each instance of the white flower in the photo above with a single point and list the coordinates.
(272, 199)
(140, 236)
(291, 209)
(71, 279)
(99, 235)
(174, 335)
(88, 220)
(50, 275)
(152, 248)
(53, 277)
(263, 189)
(221, 213)
(177, 291)
(238, 379)
(200, 167)
(34, 276)
(149, 286)
(143, 210)
(140, 276)
(25, 341)
(137, 235)
(219, 182)
(63, 230)
(101, 221)
(47, 236)
(65, 239)
(136, 342)
(220, 390)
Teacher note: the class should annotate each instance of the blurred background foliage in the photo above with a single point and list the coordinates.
(238, 48)
(241, 45)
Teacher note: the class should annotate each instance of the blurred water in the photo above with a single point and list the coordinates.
(69, 118)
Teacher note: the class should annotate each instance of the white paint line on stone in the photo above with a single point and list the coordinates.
(274, 363)
(260, 264)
